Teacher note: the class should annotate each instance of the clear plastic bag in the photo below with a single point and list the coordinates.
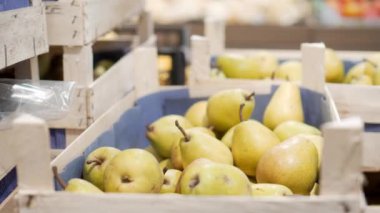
(45, 99)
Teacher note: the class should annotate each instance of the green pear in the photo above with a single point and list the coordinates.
(356, 72)
(250, 141)
(96, 163)
(268, 189)
(268, 63)
(334, 68)
(290, 70)
(210, 178)
(374, 58)
(196, 144)
(152, 151)
(292, 163)
(102, 67)
(197, 114)
(227, 137)
(176, 157)
(234, 66)
(162, 133)
(171, 179)
(133, 171)
(285, 105)
(362, 80)
(223, 108)
(376, 77)
(82, 186)
(289, 129)
(165, 165)
(318, 141)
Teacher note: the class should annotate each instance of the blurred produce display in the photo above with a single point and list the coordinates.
(283, 12)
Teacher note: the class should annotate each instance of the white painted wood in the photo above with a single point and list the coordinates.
(27, 69)
(200, 57)
(373, 209)
(145, 28)
(23, 35)
(342, 157)
(78, 64)
(79, 22)
(371, 147)
(146, 73)
(118, 203)
(215, 33)
(313, 57)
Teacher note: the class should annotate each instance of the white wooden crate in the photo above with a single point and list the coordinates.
(80, 22)
(350, 100)
(23, 34)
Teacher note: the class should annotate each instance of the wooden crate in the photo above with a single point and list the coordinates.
(340, 181)
(80, 22)
(350, 100)
(23, 34)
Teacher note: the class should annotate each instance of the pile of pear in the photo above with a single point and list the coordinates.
(216, 148)
(265, 65)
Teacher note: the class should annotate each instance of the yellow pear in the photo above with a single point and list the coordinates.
(152, 151)
(133, 171)
(315, 190)
(374, 58)
(268, 63)
(165, 165)
(289, 129)
(292, 163)
(197, 114)
(317, 140)
(362, 80)
(217, 74)
(223, 108)
(162, 133)
(290, 70)
(227, 137)
(269, 189)
(81, 186)
(171, 179)
(175, 156)
(96, 163)
(250, 141)
(285, 105)
(376, 77)
(356, 72)
(196, 144)
(234, 66)
(210, 178)
(334, 68)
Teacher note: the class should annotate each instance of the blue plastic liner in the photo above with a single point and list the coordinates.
(13, 4)
(129, 130)
(8, 184)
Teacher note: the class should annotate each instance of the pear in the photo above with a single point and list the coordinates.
(227, 138)
(334, 68)
(285, 105)
(133, 171)
(317, 140)
(217, 74)
(223, 108)
(234, 66)
(290, 70)
(176, 157)
(376, 77)
(356, 72)
(196, 144)
(165, 165)
(289, 129)
(315, 189)
(374, 58)
(268, 63)
(268, 189)
(210, 178)
(76, 185)
(250, 141)
(292, 163)
(152, 151)
(162, 133)
(96, 163)
(171, 179)
(362, 80)
(197, 114)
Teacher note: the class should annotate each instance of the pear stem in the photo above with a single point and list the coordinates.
(371, 62)
(187, 138)
(241, 112)
(247, 98)
(59, 179)
(96, 161)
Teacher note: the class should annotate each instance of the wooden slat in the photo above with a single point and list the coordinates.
(371, 147)
(146, 73)
(23, 35)
(215, 33)
(313, 75)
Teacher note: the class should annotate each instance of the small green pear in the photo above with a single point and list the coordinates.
(165, 165)
(171, 179)
(210, 178)
(196, 144)
(96, 163)
(223, 108)
(334, 68)
(197, 114)
(269, 189)
(290, 70)
(292, 163)
(285, 105)
(289, 129)
(133, 171)
(250, 141)
(227, 137)
(234, 66)
(356, 72)
(162, 133)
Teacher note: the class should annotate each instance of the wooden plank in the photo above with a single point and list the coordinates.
(23, 35)
(215, 33)
(200, 56)
(78, 64)
(145, 74)
(373, 209)
(371, 147)
(65, 203)
(313, 57)
(145, 28)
